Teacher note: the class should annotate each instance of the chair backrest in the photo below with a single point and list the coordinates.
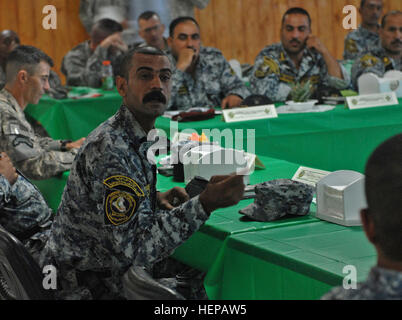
(139, 285)
(20, 275)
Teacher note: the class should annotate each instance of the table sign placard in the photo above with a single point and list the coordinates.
(309, 176)
(249, 113)
(372, 100)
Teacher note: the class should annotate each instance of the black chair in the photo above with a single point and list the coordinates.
(139, 285)
(20, 276)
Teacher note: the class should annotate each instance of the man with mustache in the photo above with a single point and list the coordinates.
(202, 76)
(299, 57)
(388, 56)
(111, 216)
(366, 36)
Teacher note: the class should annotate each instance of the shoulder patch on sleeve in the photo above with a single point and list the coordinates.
(121, 200)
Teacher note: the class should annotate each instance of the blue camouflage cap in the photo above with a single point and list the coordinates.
(277, 198)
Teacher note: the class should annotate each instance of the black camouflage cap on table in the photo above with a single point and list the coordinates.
(277, 198)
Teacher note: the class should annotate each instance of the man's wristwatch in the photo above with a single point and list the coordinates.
(63, 145)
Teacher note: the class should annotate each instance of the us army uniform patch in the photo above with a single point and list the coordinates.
(121, 200)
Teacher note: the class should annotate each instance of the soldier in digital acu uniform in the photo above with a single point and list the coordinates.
(388, 56)
(382, 223)
(111, 215)
(366, 36)
(298, 58)
(37, 157)
(202, 76)
(82, 65)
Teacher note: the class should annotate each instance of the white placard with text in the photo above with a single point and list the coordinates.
(372, 100)
(309, 176)
(249, 113)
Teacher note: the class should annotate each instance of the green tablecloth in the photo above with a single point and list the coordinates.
(333, 140)
(75, 118)
(294, 262)
(339, 139)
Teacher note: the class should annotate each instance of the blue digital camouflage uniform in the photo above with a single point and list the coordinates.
(358, 41)
(214, 80)
(381, 284)
(274, 73)
(108, 217)
(22, 208)
(35, 156)
(83, 67)
(376, 61)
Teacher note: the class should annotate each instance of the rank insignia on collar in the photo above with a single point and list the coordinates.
(183, 90)
(121, 200)
(368, 61)
(351, 46)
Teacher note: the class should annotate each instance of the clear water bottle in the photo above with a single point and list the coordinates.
(107, 76)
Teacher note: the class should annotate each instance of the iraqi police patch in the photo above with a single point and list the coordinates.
(122, 198)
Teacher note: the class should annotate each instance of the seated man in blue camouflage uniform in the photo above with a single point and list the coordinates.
(82, 65)
(298, 58)
(202, 77)
(23, 210)
(111, 215)
(388, 56)
(366, 37)
(382, 223)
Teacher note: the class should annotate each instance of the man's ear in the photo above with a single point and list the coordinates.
(368, 225)
(163, 28)
(121, 85)
(22, 76)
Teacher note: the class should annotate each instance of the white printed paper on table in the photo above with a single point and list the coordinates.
(309, 176)
(249, 113)
(372, 100)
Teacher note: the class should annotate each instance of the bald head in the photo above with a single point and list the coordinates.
(9, 40)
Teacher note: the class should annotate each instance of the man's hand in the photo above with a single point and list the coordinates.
(7, 169)
(333, 67)
(231, 101)
(222, 191)
(186, 58)
(114, 40)
(75, 144)
(314, 42)
(172, 198)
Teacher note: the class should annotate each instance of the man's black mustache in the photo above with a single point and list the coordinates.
(397, 41)
(154, 96)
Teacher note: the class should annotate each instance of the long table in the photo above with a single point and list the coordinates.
(291, 258)
(332, 140)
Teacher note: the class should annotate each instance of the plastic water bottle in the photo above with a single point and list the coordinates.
(107, 76)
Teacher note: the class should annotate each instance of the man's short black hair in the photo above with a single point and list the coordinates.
(104, 28)
(146, 15)
(391, 13)
(127, 59)
(179, 20)
(297, 10)
(25, 58)
(383, 183)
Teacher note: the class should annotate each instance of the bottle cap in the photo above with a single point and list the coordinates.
(106, 62)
